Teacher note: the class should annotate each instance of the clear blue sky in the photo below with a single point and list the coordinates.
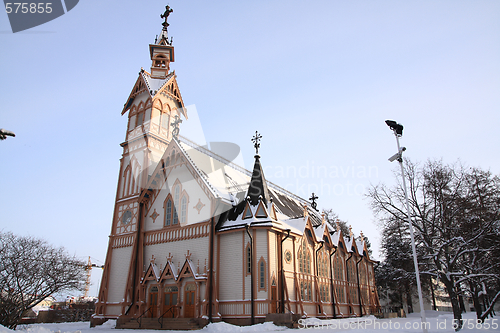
(317, 79)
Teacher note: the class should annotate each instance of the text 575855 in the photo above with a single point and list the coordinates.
(26, 7)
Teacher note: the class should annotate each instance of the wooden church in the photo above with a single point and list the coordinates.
(195, 236)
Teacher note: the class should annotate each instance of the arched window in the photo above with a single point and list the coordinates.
(183, 209)
(304, 259)
(352, 270)
(164, 121)
(248, 260)
(262, 274)
(160, 61)
(140, 118)
(323, 265)
(168, 212)
(177, 191)
(126, 181)
(362, 273)
(176, 205)
(338, 268)
(308, 263)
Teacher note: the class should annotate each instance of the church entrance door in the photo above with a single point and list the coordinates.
(153, 301)
(274, 297)
(189, 301)
(170, 301)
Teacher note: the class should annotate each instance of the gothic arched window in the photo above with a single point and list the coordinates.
(183, 209)
(304, 257)
(168, 212)
(262, 274)
(177, 191)
(248, 259)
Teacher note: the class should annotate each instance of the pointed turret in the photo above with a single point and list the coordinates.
(258, 185)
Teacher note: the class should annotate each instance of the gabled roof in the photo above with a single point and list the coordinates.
(152, 273)
(189, 270)
(154, 85)
(146, 84)
(169, 271)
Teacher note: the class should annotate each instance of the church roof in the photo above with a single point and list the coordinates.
(230, 182)
(145, 83)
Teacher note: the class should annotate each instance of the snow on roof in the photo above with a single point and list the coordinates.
(155, 84)
(360, 246)
(230, 182)
(335, 238)
(348, 244)
(173, 269)
(296, 225)
(192, 267)
(156, 271)
(319, 232)
(239, 221)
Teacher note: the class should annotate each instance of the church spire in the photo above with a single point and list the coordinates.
(162, 51)
(258, 184)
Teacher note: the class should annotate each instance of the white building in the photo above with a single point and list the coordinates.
(195, 236)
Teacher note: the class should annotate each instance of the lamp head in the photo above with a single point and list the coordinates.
(397, 128)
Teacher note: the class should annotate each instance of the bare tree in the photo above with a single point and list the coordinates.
(31, 270)
(454, 212)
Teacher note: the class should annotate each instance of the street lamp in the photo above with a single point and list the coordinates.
(398, 132)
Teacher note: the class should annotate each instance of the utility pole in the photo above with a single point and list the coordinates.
(398, 132)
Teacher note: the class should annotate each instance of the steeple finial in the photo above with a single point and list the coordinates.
(165, 15)
(256, 142)
(350, 231)
(162, 51)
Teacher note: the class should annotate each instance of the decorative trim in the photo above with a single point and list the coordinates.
(288, 256)
(174, 234)
(199, 206)
(154, 215)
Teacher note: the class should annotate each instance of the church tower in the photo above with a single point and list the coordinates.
(154, 108)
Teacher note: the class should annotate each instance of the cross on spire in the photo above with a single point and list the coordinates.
(165, 15)
(313, 199)
(175, 131)
(256, 142)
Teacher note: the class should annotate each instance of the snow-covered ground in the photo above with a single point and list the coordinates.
(439, 322)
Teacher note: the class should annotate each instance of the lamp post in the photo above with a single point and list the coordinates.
(398, 132)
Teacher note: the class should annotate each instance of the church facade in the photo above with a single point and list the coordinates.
(195, 236)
